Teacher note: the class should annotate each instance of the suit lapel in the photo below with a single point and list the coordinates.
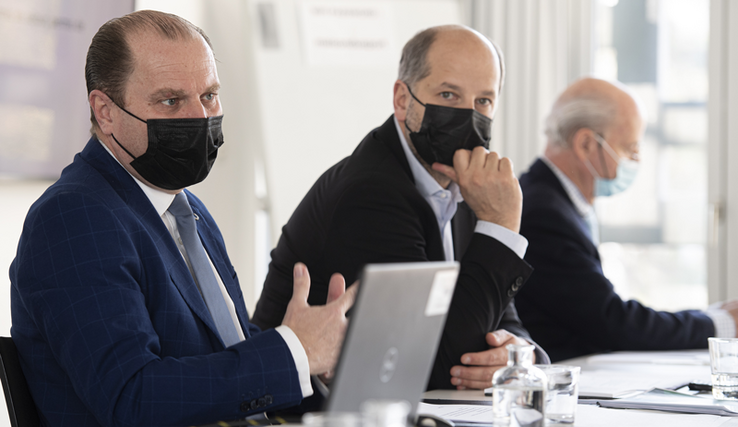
(222, 265)
(132, 195)
(540, 171)
(387, 134)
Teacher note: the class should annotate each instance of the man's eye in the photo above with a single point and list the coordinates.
(447, 95)
(484, 101)
(210, 97)
(170, 102)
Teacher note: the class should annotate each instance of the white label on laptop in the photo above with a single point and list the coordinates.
(441, 293)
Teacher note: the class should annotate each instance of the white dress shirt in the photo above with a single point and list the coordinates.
(444, 203)
(723, 321)
(161, 201)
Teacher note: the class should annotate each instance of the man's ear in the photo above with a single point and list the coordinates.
(102, 107)
(401, 100)
(583, 143)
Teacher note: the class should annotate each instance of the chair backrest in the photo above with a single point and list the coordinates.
(21, 409)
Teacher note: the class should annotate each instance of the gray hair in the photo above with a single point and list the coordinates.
(414, 66)
(566, 118)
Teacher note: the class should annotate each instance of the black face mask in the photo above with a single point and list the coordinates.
(180, 151)
(446, 129)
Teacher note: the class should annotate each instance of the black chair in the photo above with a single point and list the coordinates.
(21, 409)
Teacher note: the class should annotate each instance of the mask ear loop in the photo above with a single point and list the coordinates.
(600, 140)
(416, 99)
(413, 95)
(132, 115)
(129, 113)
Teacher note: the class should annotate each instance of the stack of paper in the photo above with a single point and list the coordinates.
(672, 401)
(604, 384)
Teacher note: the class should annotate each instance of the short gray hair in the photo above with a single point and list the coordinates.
(414, 66)
(413, 62)
(566, 118)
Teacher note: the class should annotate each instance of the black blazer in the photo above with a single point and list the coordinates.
(366, 209)
(568, 305)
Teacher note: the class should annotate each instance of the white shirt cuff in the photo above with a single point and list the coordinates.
(300, 358)
(724, 323)
(507, 237)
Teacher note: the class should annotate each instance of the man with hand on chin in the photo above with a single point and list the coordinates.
(568, 305)
(126, 309)
(398, 198)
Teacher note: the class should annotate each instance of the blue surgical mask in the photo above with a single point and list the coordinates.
(624, 176)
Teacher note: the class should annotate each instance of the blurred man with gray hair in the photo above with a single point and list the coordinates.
(568, 305)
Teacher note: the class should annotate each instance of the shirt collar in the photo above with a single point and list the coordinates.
(160, 199)
(424, 182)
(580, 203)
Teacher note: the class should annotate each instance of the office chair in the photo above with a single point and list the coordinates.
(21, 409)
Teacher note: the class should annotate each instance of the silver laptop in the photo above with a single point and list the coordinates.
(393, 334)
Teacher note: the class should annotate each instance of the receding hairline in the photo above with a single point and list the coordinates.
(465, 34)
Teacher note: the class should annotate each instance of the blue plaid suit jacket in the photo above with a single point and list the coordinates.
(109, 324)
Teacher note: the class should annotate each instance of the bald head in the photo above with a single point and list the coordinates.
(592, 127)
(590, 103)
(415, 65)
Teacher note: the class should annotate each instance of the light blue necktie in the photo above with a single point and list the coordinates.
(594, 226)
(202, 270)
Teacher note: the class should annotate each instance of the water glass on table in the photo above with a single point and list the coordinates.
(724, 366)
(562, 393)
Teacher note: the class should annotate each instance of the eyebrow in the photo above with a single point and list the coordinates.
(489, 93)
(166, 93)
(177, 93)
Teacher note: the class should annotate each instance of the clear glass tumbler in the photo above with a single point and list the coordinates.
(724, 365)
(519, 390)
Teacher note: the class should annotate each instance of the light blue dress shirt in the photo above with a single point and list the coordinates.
(444, 203)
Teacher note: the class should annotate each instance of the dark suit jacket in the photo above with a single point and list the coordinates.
(568, 305)
(110, 326)
(366, 209)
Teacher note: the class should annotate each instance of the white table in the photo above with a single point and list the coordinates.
(682, 365)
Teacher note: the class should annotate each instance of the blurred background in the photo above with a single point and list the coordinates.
(304, 80)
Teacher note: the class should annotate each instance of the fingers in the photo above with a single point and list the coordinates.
(506, 166)
(336, 287)
(491, 357)
(499, 338)
(346, 300)
(730, 305)
(480, 158)
(446, 170)
(301, 283)
(478, 377)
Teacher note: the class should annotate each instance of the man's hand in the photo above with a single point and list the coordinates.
(488, 185)
(321, 329)
(732, 308)
(481, 366)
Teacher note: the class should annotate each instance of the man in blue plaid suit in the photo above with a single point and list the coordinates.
(114, 322)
